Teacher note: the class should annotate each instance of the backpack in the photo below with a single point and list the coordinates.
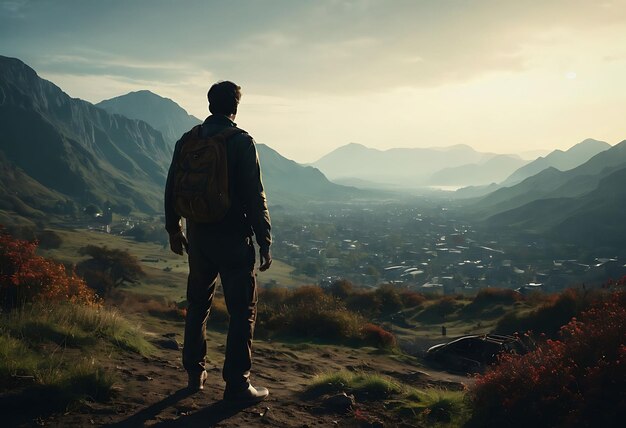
(201, 179)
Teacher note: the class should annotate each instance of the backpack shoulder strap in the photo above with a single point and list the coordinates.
(229, 132)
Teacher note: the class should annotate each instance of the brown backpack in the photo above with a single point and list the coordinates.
(201, 179)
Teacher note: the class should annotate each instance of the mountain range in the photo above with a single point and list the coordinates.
(74, 149)
(457, 165)
(561, 160)
(557, 159)
(57, 151)
(583, 205)
(285, 180)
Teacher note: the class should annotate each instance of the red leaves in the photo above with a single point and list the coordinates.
(27, 277)
(576, 381)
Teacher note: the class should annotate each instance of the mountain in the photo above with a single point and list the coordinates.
(552, 183)
(593, 219)
(72, 148)
(492, 170)
(162, 113)
(405, 167)
(285, 180)
(561, 160)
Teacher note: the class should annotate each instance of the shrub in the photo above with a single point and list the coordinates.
(411, 299)
(49, 239)
(310, 297)
(341, 288)
(578, 380)
(308, 313)
(493, 296)
(548, 318)
(389, 299)
(365, 303)
(377, 336)
(26, 277)
(157, 306)
(108, 268)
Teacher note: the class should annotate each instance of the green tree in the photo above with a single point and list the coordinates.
(108, 268)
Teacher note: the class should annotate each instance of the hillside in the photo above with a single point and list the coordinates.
(286, 181)
(594, 219)
(493, 170)
(75, 149)
(161, 113)
(561, 160)
(552, 183)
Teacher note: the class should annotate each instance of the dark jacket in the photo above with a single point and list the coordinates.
(248, 213)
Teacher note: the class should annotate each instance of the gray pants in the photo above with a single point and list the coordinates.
(233, 259)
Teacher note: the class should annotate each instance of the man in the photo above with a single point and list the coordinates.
(223, 247)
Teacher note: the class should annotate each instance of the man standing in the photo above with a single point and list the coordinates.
(222, 216)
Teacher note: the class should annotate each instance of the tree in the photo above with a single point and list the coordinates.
(108, 268)
(26, 277)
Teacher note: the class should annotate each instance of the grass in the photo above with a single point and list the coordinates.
(167, 277)
(45, 353)
(49, 376)
(75, 326)
(430, 406)
(364, 386)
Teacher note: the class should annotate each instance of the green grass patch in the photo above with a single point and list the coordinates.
(75, 326)
(364, 386)
(45, 354)
(430, 406)
(436, 407)
(49, 377)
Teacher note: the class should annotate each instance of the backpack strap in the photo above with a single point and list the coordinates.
(229, 132)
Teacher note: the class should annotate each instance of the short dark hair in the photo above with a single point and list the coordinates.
(224, 98)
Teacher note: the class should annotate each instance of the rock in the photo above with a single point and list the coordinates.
(341, 403)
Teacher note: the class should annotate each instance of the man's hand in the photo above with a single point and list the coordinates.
(266, 259)
(178, 242)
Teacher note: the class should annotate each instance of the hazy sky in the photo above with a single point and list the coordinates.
(501, 76)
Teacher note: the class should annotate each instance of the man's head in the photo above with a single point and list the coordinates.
(224, 98)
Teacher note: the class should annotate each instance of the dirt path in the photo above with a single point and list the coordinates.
(149, 391)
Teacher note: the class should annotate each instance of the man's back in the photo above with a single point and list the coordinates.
(223, 248)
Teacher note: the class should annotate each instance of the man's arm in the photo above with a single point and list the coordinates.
(172, 219)
(255, 202)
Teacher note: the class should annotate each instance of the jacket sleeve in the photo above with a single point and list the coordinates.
(254, 201)
(172, 219)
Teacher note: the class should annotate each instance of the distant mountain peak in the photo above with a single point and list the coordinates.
(163, 114)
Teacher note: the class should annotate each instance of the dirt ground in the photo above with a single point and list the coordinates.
(150, 392)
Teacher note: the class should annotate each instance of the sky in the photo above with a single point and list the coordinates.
(501, 76)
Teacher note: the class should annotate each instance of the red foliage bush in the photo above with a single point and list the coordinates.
(578, 380)
(557, 310)
(27, 277)
(411, 299)
(377, 336)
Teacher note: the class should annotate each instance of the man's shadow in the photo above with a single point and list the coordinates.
(206, 417)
